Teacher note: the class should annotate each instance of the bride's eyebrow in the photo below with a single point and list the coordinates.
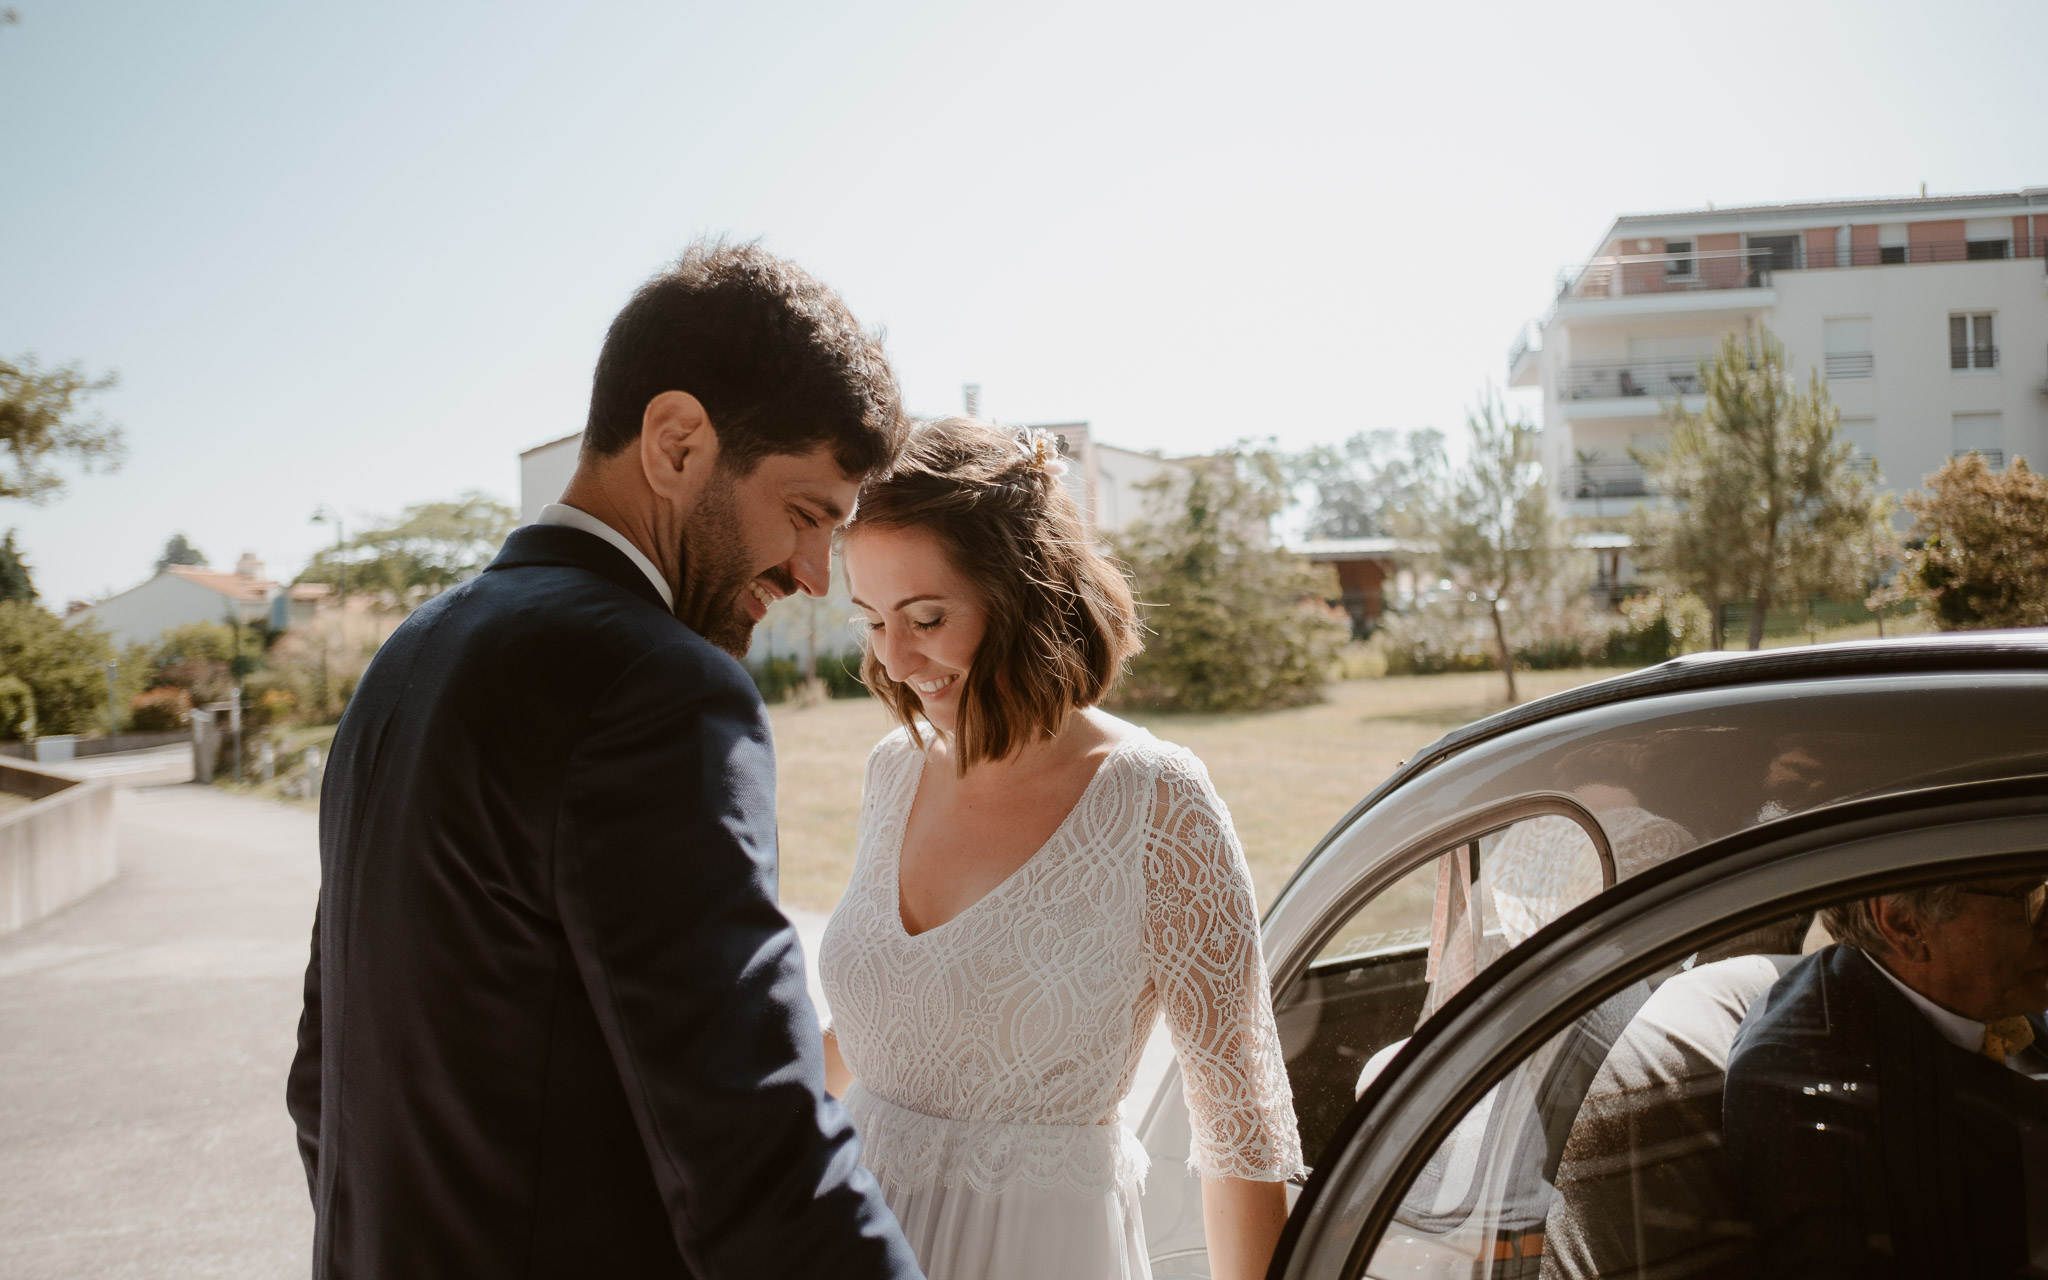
(900, 604)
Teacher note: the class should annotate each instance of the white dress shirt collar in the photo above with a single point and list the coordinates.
(575, 518)
(1963, 1033)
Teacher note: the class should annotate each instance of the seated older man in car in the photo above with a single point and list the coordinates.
(1882, 1112)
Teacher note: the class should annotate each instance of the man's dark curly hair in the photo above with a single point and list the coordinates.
(778, 362)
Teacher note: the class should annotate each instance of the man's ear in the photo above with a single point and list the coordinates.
(678, 447)
(1904, 934)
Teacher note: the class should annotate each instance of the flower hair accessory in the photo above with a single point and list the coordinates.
(1043, 449)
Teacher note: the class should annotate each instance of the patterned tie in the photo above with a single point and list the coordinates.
(2004, 1036)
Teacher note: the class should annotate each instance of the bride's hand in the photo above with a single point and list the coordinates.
(837, 1077)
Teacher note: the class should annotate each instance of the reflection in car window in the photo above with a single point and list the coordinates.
(1879, 1106)
(1413, 945)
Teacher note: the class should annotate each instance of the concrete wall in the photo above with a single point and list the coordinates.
(56, 850)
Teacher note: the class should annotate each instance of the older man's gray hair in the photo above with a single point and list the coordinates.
(1855, 924)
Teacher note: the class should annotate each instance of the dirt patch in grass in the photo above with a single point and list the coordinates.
(1288, 776)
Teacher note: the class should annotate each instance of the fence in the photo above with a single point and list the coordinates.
(1803, 618)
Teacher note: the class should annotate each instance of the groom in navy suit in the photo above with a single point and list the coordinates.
(555, 1024)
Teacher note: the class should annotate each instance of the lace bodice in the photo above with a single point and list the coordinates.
(1027, 1013)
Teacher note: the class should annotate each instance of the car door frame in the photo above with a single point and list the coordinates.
(1647, 922)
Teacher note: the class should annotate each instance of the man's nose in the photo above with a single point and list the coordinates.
(811, 566)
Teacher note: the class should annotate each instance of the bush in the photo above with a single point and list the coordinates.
(1656, 627)
(841, 674)
(775, 676)
(159, 710)
(63, 667)
(1236, 624)
(1979, 550)
(1435, 638)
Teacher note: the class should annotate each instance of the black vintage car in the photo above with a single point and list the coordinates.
(1475, 972)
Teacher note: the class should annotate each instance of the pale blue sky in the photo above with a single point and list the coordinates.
(362, 255)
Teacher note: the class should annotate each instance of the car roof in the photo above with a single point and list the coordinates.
(1949, 653)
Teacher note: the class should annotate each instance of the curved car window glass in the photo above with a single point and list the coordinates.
(1760, 1111)
(1412, 946)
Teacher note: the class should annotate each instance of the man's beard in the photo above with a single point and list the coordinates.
(716, 574)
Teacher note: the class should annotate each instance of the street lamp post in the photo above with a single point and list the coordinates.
(113, 710)
(322, 515)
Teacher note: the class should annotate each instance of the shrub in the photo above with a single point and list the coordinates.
(1235, 623)
(1979, 556)
(1434, 638)
(63, 667)
(1656, 627)
(775, 676)
(841, 674)
(159, 710)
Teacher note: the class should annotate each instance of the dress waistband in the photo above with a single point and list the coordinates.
(905, 1148)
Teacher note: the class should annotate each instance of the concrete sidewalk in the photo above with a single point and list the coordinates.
(144, 1037)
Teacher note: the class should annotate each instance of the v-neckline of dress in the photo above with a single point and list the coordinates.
(1016, 873)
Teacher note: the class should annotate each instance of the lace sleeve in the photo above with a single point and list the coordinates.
(1202, 941)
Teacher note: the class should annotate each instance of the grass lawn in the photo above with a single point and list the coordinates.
(1287, 776)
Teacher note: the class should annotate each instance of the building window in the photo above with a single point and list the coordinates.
(1979, 249)
(1847, 343)
(1678, 267)
(1971, 344)
(1888, 254)
(1860, 434)
(1981, 433)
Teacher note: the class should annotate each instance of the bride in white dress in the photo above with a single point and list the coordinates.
(1036, 881)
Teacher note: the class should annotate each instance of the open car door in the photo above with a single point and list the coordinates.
(1567, 1111)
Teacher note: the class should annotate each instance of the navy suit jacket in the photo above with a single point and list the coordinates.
(1863, 1143)
(555, 1024)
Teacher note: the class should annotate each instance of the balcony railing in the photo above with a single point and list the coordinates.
(1851, 364)
(1973, 357)
(1625, 275)
(1993, 458)
(1622, 478)
(1661, 379)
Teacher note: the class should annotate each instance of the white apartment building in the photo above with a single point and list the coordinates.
(1927, 316)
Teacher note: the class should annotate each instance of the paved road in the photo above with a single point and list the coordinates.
(144, 1037)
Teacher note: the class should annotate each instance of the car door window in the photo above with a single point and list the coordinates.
(1400, 955)
(1878, 1104)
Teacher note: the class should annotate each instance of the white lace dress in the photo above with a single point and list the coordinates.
(990, 1054)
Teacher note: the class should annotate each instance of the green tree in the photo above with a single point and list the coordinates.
(1978, 553)
(15, 580)
(427, 549)
(64, 667)
(178, 550)
(1377, 484)
(1765, 503)
(42, 423)
(1236, 624)
(1496, 532)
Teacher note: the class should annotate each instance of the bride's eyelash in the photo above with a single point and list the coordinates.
(932, 625)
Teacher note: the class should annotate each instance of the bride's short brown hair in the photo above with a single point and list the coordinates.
(1060, 618)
